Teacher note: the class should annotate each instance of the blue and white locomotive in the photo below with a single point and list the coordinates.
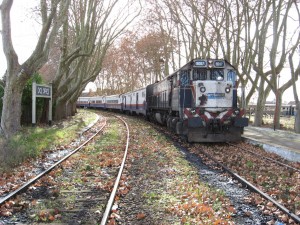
(198, 102)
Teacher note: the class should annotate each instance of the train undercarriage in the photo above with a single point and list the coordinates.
(197, 130)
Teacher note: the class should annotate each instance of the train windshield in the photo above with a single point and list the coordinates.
(204, 74)
(217, 74)
(199, 74)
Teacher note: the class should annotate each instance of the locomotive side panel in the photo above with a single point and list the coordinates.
(175, 99)
(158, 95)
(174, 93)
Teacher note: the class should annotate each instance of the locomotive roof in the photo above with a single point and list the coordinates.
(190, 63)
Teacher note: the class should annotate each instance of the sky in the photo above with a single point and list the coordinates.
(25, 32)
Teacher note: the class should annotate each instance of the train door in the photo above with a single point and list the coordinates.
(124, 102)
(130, 101)
(137, 100)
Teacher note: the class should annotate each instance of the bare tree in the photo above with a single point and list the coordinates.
(135, 62)
(91, 28)
(17, 74)
(295, 74)
(268, 59)
(295, 71)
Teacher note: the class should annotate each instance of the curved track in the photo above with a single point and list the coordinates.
(117, 181)
(40, 175)
(87, 195)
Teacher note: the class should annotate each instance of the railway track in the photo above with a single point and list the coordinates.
(255, 189)
(230, 157)
(117, 181)
(77, 191)
(270, 189)
(25, 185)
(72, 196)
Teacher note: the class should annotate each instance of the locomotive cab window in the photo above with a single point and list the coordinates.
(199, 74)
(217, 74)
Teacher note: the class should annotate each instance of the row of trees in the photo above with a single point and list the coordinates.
(260, 38)
(77, 34)
(77, 44)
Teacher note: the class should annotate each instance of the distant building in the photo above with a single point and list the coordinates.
(292, 103)
(270, 102)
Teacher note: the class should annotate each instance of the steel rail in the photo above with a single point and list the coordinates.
(253, 188)
(33, 180)
(267, 158)
(117, 181)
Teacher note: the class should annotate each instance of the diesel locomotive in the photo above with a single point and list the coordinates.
(199, 102)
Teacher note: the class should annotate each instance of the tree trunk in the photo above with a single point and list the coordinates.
(69, 109)
(258, 117)
(11, 112)
(16, 74)
(277, 110)
(74, 109)
(60, 111)
(297, 118)
(260, 106)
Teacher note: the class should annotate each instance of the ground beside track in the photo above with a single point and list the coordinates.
(161, 187)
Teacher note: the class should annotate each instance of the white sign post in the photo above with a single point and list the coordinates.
(41, 91)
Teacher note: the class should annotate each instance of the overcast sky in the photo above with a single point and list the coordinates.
(25, 32)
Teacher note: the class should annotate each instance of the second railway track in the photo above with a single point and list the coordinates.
(75, 190)
(273, 178)
(276, 180)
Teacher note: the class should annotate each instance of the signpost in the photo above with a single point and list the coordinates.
(41, 91)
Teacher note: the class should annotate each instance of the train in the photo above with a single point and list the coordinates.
(199, 102)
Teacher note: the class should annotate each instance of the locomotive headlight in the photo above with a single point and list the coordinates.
(202, 89)
(227, 90)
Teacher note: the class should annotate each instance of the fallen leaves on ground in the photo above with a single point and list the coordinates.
(277, 181)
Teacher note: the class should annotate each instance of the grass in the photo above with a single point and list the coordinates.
(249, 164)
(109, 137)
(30, 142)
